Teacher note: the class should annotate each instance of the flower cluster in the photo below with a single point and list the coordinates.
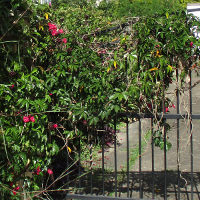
(37, 171)
(54, 31)
(29, 118)
(14, 191)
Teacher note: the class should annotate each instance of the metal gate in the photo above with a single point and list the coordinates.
(132, 167)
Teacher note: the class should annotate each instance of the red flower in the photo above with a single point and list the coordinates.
(173, 105)
(52, 26)
(38, 170)
(149, 106)
(166, 109)
(11, 184)
(49, 171)
(50, 94)
(54, 32)
(55, 125)
(14, 192)
(191, 44)
(12, 86)
(32, 119)
(60, 31)
(64, 40)
(26, 119)
(17, 188)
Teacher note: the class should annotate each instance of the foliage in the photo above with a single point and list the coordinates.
(64, 76)
(135, 8)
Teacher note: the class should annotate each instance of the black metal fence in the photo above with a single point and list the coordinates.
(132, 167)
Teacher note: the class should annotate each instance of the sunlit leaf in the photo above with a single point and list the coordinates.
(69, 149)
(46, 16)
(153, 69)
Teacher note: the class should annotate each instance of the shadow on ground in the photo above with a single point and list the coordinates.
(144, 184)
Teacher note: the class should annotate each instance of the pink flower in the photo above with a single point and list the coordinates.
(26, 119)
(64, 40)
(49, 4)
(32, 119)
(17, 188)
(173, 106)
(60, 31)
(52, 26)
(55, 125)
(50, 94)
(49, 171)
(54, 32)
(191, 44)
(166, 109)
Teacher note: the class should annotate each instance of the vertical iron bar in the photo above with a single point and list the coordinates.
(140, 160)
(68, 172)
(165, 163)
(127, 130)
(191, 137)
(127, 135)
(165, 153)
(103, 172)
(115, 156)
(178, 134)
(152, 153)
(91, 179)
(79, 164)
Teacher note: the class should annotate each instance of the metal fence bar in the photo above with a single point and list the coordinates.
(140, 160)
(178, 134)
(152, 153)
(127, 147)
(164, 116)
(165, 164)
(91, 197)
(103, 167)
(115, 156)
(91, 163)
(79, 164)
(165, 153)
(191, 137)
